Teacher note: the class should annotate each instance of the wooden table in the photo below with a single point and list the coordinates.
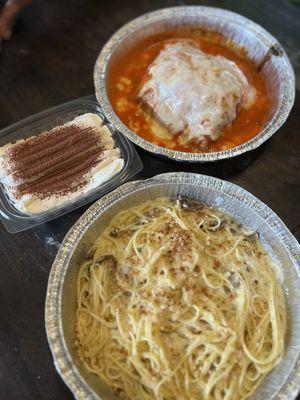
(50, 60)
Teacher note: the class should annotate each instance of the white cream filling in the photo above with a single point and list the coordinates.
(32, 204)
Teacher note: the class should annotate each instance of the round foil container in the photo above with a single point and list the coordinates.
(282, 383)
(261, 47)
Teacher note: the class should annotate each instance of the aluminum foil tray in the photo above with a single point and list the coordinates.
(259, 44)
(282, 383)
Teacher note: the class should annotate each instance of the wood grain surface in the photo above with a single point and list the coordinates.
(50, 60)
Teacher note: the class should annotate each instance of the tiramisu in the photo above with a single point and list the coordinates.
(42, 172)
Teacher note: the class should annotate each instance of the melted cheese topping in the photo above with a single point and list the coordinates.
(195, 93)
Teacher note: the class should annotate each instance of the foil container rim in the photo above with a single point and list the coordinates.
(278, 119)
(53, 321)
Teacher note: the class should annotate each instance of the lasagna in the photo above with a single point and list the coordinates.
(194, 93)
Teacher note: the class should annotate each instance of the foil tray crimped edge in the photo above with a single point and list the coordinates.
(53, 318)
(288, 92)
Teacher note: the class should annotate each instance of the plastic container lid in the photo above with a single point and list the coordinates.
(16, 221)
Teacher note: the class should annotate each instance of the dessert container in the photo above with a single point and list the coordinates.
(16, 221)
(282, 383)
(260, 47)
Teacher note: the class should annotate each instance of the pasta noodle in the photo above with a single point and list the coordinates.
(177, 301)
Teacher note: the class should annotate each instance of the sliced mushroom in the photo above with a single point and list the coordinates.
(111, 261)
(91, 252)
(251, 235)
(188, 204)
(115, 232)
(154, 212)
(234, 279)
(213, 224)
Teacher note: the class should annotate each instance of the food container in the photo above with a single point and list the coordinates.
(261, 47)
(282, 383)
(16, 221)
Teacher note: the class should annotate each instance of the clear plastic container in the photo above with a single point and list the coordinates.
(16, 221)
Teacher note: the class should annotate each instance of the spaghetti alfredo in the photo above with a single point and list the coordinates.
(177, 301)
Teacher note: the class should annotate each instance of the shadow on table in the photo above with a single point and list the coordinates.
(224, 169)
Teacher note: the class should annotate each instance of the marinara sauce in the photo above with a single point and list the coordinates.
(126, 78)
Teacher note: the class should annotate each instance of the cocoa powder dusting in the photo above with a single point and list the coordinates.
(54, 162)
(48, 152)
(63, 181)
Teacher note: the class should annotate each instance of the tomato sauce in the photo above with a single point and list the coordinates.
(126, 78)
